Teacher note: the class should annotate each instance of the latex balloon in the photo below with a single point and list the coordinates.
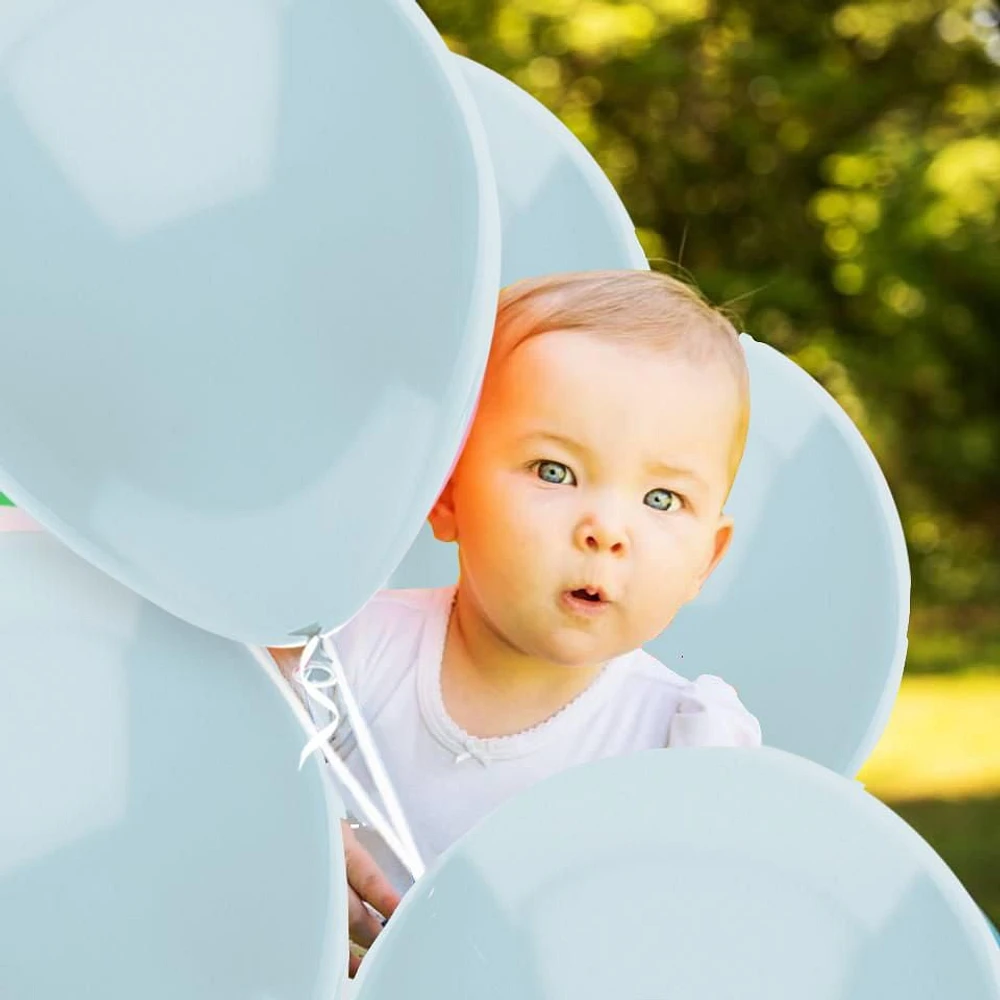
(558, 209)
(559, 212)
(158, 840)
(807, 613)
(250, 255)
(709, 874)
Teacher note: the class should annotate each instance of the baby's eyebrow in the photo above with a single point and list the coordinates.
(673, 472)
(559, 439)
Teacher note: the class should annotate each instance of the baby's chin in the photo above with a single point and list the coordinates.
(574, 651)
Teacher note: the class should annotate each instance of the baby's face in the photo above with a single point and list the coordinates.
(587, 502)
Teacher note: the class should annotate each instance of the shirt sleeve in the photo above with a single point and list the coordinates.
(710, 714)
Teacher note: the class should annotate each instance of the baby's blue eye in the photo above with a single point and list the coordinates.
(555, 472)
(662, 499)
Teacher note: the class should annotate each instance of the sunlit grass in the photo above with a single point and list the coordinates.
(942, 741)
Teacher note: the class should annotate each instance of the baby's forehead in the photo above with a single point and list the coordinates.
(612, 397)
(583, 363)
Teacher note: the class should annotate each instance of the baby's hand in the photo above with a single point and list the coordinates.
(287, 659)
(365, 884)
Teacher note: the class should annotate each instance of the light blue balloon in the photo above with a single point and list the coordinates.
(558, 209)
(696, 874)
(156, 837)
(559, 212)
(249, 259)
(807, 613)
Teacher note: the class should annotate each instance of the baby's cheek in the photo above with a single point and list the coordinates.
(669, 543)
(656, 609)
(665, 570)
(545, 531)
(686, 537)
(518, 509)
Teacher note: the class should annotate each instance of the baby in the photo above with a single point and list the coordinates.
(587, 507)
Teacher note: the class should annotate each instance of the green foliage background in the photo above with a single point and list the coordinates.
(832, 171)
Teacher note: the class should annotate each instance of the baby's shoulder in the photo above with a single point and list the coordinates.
(639, 670)
(642, 671)
(392, 618)
(399, 608)
(380, 646)
(707, 710)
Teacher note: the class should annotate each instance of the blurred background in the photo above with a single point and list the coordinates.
(831, 174)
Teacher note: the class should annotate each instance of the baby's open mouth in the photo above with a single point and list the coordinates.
(585, 602)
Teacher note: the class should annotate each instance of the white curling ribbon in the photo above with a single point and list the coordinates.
(373, 761)
(304, 676)
(320, 740)
(325, 734)
(405, 852)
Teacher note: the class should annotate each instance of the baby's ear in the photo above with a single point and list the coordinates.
(720, 545)
(442, 516)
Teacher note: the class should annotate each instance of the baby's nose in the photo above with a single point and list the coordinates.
(595, 534)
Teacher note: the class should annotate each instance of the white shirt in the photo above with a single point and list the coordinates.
(447, 780)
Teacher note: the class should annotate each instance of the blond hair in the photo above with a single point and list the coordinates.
(645, 308)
